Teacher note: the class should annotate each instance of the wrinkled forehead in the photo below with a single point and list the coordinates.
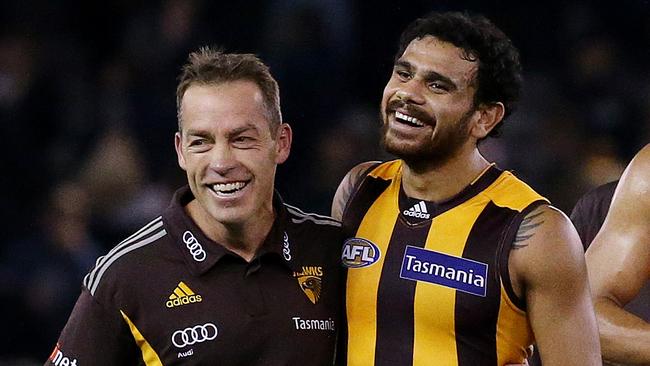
(224, 104)
(227, 98)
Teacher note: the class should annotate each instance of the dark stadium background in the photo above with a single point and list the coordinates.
(87, 115)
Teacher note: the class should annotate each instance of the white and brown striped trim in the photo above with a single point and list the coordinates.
(147, 235)
(299, 216)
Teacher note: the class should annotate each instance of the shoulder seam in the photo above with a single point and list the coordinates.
(507, 180)
(146, 235)
(357, 185)
(302, 216)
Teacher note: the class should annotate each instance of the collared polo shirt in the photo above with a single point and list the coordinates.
(168, 295)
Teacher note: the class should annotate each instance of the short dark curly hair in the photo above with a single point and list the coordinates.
(499, 69)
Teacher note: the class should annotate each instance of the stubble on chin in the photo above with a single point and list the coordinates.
(427, 154)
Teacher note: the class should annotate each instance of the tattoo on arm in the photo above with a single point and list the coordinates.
(527, 229)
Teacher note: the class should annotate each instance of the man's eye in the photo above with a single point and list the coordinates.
(197, 142)
(438, 86)
(403, 74)
(243, 139)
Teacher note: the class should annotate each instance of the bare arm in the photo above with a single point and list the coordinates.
(547, 267)
(346, 187)
(619, 265)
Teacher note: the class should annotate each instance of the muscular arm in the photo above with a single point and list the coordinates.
(548, 269)
(346, 187)
(619, 265)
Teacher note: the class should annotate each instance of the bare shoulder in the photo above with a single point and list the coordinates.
(633, 191)
(619, 256)
(541, 225)
(347, 185)
(546, 247)
(627, 222)
(642, 158)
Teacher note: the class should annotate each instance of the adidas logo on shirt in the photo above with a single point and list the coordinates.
(418, 210)
(182, 295)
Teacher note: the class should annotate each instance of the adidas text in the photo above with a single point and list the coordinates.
(419, 215)
(184, 301)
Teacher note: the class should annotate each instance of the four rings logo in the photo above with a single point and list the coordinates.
(195, 334)
(286, 251)
(196, 250)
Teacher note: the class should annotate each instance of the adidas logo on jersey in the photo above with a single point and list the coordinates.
(419, 210)
(182, 295)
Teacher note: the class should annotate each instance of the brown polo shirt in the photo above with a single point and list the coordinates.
(169, 295)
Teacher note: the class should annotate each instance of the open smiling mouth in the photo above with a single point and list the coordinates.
(408, 120)
(227, 189)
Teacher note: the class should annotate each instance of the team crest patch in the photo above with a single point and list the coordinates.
(458, 273)
(358, 252)
(310, 281)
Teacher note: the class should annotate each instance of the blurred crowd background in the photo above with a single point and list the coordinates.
(87, 115)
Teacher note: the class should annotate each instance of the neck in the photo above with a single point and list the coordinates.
(441, 182)
(242, 238)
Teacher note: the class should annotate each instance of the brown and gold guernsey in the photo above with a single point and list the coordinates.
(428, 283)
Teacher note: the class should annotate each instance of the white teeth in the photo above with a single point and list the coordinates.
(409, 119)
(228, 187)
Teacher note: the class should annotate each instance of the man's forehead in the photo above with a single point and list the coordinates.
(226, 128)
(225, 88)
(430, 54)
(237, 97)
(227, 106)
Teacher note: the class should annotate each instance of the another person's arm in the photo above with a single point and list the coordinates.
(548, 268)
(619, 265)
(347, 186)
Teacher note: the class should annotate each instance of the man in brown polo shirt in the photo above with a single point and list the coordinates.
(228, 274)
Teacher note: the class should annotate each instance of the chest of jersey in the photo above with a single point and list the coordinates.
(239, 314)
(431, 292)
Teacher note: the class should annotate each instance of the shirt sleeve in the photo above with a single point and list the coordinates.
(581, 217)
(589, 213)
(94, 335)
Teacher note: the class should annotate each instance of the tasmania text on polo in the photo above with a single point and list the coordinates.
(168, 295)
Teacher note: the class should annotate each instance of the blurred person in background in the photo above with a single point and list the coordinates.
(46, 266)
(228, 274)
(619, 264)
(27, 99)
(443, 228)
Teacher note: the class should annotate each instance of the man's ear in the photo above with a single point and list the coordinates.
(283, 140)
(178, 144)
(489, 117)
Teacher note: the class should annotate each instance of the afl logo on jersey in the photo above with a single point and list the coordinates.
(358, 253)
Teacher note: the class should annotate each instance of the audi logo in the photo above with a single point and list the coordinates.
(196, 250)
(195, 334)
(286, 251)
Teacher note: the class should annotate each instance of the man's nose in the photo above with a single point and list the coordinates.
(222, 159)
(410, 93)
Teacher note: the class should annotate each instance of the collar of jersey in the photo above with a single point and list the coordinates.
(178, 222)
(437, 208)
